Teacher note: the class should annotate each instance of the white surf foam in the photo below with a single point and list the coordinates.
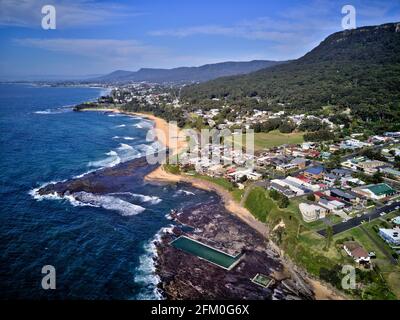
(124, 146)
(121, 126)
(145, 272)
(140, 197)
(127, 152)
(185, 192)
(144, 124)
(107, 202)
(53, 111)
(85, 199)
(112, 160)
(124, 138)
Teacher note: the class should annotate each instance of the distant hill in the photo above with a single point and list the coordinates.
(357, 69)
(187, 74)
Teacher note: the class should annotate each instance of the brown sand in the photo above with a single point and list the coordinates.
(230, 204)
(160, 175)
(176, 142)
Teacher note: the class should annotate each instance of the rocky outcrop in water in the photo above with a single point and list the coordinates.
(115, 179)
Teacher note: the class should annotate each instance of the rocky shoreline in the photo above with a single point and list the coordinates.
(186, 277)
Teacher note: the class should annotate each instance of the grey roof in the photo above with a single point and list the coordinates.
(342, 194)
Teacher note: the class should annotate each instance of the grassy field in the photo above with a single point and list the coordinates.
(275, 138)
(258, 204)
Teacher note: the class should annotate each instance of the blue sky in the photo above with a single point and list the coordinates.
(96, 37)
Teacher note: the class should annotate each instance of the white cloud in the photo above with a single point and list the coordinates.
(298, 24)
(70, 13)
(256, 30)
(108, 50)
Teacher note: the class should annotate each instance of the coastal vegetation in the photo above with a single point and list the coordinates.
(299, 241)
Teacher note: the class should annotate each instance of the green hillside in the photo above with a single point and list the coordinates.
(357, 69)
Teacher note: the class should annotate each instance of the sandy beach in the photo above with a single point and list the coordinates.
(167, 133)
(321, 291)
(230, 204)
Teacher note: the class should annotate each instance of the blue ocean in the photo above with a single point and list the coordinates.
(100, 251)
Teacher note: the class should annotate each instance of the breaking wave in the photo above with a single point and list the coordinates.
(185, 192)
(144, 124)
(140, 197)
(55, 111)
(145, 273)
(124, 138)
(85, 199)
(108, 202)
(112, 160)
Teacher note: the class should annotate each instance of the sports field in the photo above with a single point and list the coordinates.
(275, 138)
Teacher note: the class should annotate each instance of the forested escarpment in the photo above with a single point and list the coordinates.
(357, 69)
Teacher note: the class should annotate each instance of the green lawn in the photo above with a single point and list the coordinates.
(258, 204)
(275, 138)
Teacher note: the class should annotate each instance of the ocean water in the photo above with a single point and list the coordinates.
(103, 251)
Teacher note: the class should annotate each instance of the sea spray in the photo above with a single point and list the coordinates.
(145, 273)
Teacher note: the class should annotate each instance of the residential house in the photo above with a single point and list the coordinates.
(314, 173)
(391, 236)
(376, 191)
(282, 189)
(391, 172)
(312, 212)
(356, 251)
(296, 189)
(331, 205)
(371, 166)
(347, 196)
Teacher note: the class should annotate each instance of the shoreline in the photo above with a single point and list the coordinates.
(160, 175)
(162, 128)
(321, 290)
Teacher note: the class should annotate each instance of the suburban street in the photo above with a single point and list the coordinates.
(355, 222)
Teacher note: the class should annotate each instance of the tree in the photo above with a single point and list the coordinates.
(283, 202)
(377, 177)
(372, 154)
(334, 162)
(311, 197)
(397, 162)
(287, 127)
(274, 194)
(321, 135)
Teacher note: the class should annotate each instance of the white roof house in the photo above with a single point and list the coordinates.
(312, 212)
(391, 236)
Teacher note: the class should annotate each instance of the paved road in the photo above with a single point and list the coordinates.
(355, 222)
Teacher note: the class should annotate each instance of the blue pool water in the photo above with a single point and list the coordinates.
(98, 253)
